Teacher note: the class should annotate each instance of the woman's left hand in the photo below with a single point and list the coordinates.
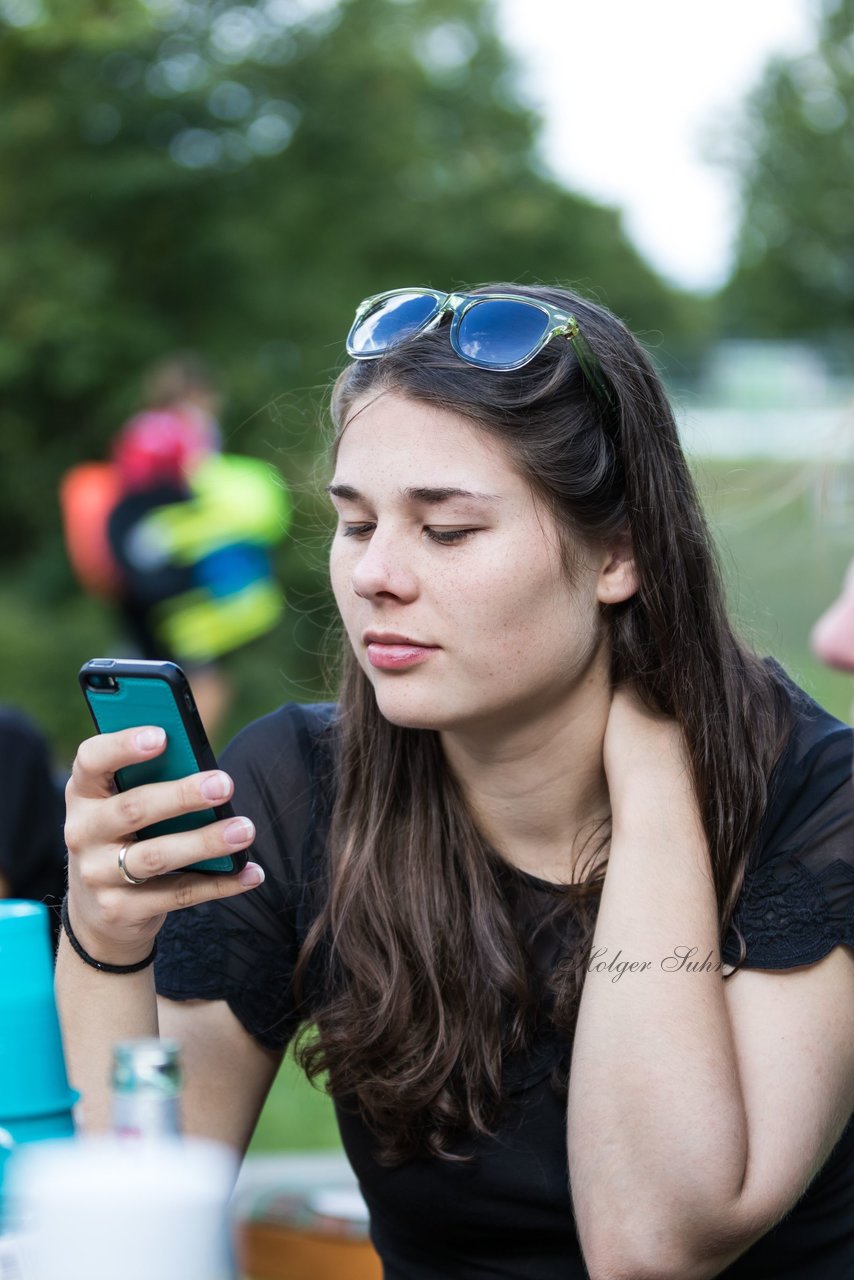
(644, 752)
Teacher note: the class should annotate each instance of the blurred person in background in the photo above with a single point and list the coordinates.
(564, 880)
(177, 534)
(155, 456)
(32, 811)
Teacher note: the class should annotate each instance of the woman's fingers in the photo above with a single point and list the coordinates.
(162, 854)
(129, 811)
(116, 919)
(161, 896)
(98, 758)
(99, 815)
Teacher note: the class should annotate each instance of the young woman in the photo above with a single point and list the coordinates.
(503, 872)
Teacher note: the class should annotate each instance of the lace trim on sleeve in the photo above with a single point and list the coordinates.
(790, 916)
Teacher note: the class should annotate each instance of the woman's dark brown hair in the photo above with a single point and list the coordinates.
(432, 987)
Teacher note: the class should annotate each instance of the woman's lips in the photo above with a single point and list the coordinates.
(397, 656)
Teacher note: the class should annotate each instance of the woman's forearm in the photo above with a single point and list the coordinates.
(656, 1121)
(116, 915)
(95, 1010)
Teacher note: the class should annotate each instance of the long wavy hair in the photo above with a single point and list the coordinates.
(428, 985)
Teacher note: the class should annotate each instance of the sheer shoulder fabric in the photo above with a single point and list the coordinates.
(243, 950)
(798, 897)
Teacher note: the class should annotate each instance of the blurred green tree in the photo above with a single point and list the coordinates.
(232, 178)
(794, 271)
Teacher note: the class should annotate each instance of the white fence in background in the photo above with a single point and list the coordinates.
(781, 434)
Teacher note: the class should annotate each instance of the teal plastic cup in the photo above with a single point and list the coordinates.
(35, 1098)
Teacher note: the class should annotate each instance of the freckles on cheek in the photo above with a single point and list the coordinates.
(503, 637)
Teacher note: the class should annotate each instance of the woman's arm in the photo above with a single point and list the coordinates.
(695, 1121)
(95, 1010)
(117, 922)
(227, 1074)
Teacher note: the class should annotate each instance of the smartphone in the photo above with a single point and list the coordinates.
(126, 693)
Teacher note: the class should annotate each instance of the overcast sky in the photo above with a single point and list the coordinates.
(630, 90)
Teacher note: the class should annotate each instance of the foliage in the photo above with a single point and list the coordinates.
(232, 178)
(795, 264)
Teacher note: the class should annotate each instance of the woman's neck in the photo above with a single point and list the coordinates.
(537, 787)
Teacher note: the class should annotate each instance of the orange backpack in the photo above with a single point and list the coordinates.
(87, 495)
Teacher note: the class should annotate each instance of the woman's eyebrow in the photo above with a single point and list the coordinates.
(446, 493)
(428, 495)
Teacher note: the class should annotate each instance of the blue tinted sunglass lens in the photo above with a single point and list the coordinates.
(391, 321)
(501, 332)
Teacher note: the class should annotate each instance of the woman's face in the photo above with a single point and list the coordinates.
(448, 573)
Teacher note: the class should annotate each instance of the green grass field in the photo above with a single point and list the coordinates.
(783, 557)
(784, 551)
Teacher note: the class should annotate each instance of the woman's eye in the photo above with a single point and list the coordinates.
(447, 537)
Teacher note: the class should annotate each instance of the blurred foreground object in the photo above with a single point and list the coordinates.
(103, 1208)
(302, 1217)
(146, 1088)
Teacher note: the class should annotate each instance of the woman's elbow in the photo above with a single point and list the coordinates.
(615, 1264)
(614, 1256)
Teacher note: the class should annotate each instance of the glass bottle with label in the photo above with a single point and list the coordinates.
(146, 1081)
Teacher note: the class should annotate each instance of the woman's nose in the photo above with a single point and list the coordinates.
(384, 568)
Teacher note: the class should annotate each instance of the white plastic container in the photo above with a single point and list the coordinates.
(102, 1208)
(11, 1259)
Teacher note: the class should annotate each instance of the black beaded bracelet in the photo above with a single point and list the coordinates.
(99, 964)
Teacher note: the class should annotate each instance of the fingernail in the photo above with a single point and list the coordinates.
(148, 739)
(251, 874)
(215, 787)
(239, 831)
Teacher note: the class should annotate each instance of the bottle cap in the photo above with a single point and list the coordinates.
(147, 1064)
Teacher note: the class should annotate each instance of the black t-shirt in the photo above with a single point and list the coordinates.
(508, 1212)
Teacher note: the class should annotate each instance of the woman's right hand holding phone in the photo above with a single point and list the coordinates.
(117, 920)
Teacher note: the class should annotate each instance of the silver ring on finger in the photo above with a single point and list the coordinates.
(123, 853)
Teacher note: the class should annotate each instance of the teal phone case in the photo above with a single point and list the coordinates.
(151, 701)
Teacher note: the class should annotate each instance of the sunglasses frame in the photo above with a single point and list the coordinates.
(561, 325)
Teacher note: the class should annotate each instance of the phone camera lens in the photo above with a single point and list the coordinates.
(106, 684)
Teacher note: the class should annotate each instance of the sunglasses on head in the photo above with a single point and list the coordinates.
(498, 331)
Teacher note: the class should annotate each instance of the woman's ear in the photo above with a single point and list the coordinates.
(618, 577)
